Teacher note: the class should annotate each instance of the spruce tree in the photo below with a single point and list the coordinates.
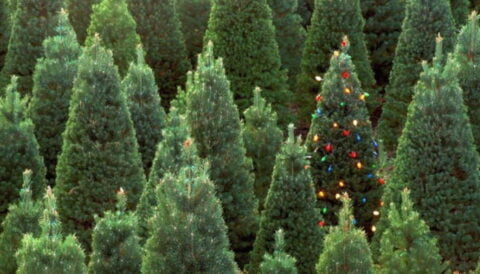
(50, 252)
(52, 88)
(262, 139)
(22, 218)
(160, 29)
(112, 20)
(290, 206)
(145, 109)
(188, 233)
(32, 22)
(250, 52)
(345, 249)
(340, 140)
(80, 13)
(100, 151)
(115, 247)
(214, 121)
(423, 21)
(280, 262)
(18, 149)
(460, 10)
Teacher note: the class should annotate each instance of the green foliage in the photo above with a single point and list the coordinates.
(345, 249)
(280, 262)
(160, 29)
(80, 13)
(113, 22)
(5, 25)
(290, 206)
(145, 109)
(100, 151)
(262, 139)
(214, 121)
(460, 10)
(305, 9)
(188, 233)
(423, 21)
(52, 88)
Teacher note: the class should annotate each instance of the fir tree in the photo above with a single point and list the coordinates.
(290, 206)
(342, 146)
(280, 262)
(215, 124)
(19, 150)
(115, 247)
(250, 52)
(160, 29)
(99, 153)
(22, 218)
(50, 253)
(423, 21)
(145, 109)
(460, 10)
(52, 87)
(346, 248)
(262, 140)
(80, 13)
(112, 20)
(188, 233)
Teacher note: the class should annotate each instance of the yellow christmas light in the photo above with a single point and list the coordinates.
(336, 53)
(376, 213)
(362, 97)
(316, 138)
(335, 125)
(382, 203)
(347, 90)
(341, 184)
(355, 122)
(359, 165)
(318, 78)
(321, 194)
(338, 196)
(374, 228)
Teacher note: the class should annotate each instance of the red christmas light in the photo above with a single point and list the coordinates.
(318, 98)
(353, 154)
(329, 148)
(321, 223)
(344, 43)
(345, 75)
(381, 181)
(346, 132)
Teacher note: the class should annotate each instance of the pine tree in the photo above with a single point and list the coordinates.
(99, 153)
(346, 248)
(80, 14)
(115, 243)
(112, 20)
(460, 10)
(262, 139)
(52, 88)
(423, 21)
(21, 219)
(342, 145)
(145, 109)
(50, 253)
(250, 52)
(18, 149)
(290, 206)
(188, 233)
(280, 262)
(160, 29)
(215, 124)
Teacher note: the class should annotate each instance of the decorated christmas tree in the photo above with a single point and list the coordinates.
(280, 262)
(80, 13)
(340, 140)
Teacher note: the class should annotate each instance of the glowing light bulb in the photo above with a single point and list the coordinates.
(382, 203)
(318, 78)
(316, 138)
(374, 228)
(341, 184)
(362, 97)
(321, 194)
(359, 165)
(335, 125)
(376, 213)
(338, 196)
(347, 90)
(355, 122)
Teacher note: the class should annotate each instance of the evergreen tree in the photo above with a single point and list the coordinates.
(346, 248)
(160, 29)
(80, 13)
(50, 253)
(280, 262)
(18, 149)
(342, 146)
(52, 88)
(423, 21)
(188, 233)
(112, 20)
(215, 124)
(99, 153)
(5, 25)
(460, 10)
(115, 247)
(262, 140)
(290, 206)
(22, 218)
(250, 52)
(145, 109)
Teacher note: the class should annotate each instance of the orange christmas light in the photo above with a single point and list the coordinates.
(341, 184)
(321, 194)
(359, 165)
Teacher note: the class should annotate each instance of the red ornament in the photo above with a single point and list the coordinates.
(346, 132)
(344, 43)
(328, 148)
(318, 98)
(345, 75)
(321, 223)
(353, 154)
(381, 181)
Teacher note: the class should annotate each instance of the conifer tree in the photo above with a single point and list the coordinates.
(424, 20)
(214, 121)
(460, 10)
(112, 20)
(160, 29)
(280, 262)
(188, 233)
(115, 247)
(99, 153)
(51, 252)
(52, 88)
(290, 206)
(250, 52)
(21, 219)
(345, 249)
(18, 149)
(344, 153)
(145, 109)
(80, 14)
(262, 139)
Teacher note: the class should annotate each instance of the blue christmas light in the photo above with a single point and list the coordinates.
(358, 138)
(354, 222)
(364, 200)
(374, 143)
(330, 169)
(318, 112)
(375, 154)
(370, 176)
